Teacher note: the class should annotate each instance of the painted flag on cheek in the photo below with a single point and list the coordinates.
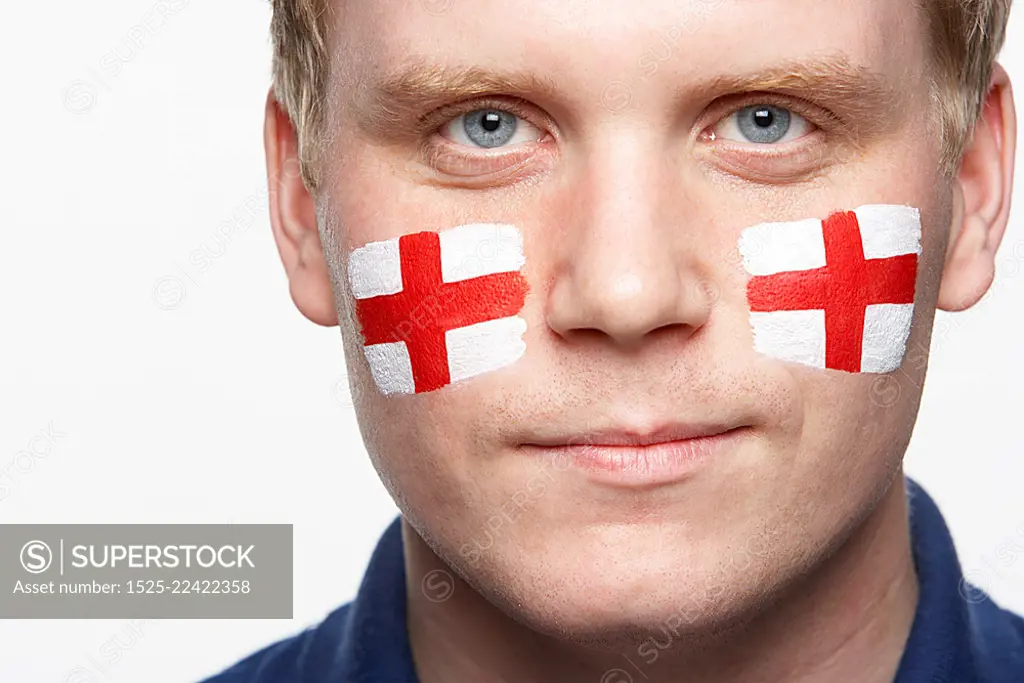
(836, 293)
(440, 307)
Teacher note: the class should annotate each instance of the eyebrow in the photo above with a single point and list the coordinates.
(864, 99)
(411, 91)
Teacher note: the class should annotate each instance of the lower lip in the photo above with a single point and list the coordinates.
(642, 466)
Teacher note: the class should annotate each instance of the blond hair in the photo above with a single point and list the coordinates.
(966, 37)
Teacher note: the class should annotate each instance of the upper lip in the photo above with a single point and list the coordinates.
(626, 436)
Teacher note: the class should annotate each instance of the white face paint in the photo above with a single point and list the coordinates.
(836, 293)
(437, 308)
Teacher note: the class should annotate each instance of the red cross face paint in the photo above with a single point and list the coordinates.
(440, 307)
(836, 293)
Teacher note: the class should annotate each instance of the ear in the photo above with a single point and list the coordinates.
(981, 200)
(293, 220)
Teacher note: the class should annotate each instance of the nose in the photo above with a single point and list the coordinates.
(628, 267)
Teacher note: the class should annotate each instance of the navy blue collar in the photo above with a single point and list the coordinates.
(958, 636)
(375, 647)
(937, 647)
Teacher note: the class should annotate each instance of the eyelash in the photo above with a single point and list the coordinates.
(435, 120)
(719, 110)
(822, 118)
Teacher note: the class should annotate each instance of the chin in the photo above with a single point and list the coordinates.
(613, 587)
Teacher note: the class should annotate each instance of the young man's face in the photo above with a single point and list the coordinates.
(637, 141)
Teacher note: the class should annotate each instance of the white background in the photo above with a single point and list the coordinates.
(207, 397)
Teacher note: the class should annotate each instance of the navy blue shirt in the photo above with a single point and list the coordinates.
(959, 634)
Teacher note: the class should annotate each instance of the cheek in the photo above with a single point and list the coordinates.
(834, 294)
(935, 241)
(843, 444)
(437, 454)
(854, 383)
(428, 421)
(437, 308)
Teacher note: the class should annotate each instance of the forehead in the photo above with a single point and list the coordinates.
(585, 44)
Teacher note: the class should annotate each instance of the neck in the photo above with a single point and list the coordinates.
(847, 619)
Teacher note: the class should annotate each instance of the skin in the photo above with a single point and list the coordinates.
(786, 555)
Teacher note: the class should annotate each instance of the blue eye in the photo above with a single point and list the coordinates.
(490, 128)
(763, 124)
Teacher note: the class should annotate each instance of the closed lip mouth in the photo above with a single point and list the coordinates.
(634, 458)
(633, 438)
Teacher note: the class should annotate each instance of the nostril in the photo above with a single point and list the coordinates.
(626, 307)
